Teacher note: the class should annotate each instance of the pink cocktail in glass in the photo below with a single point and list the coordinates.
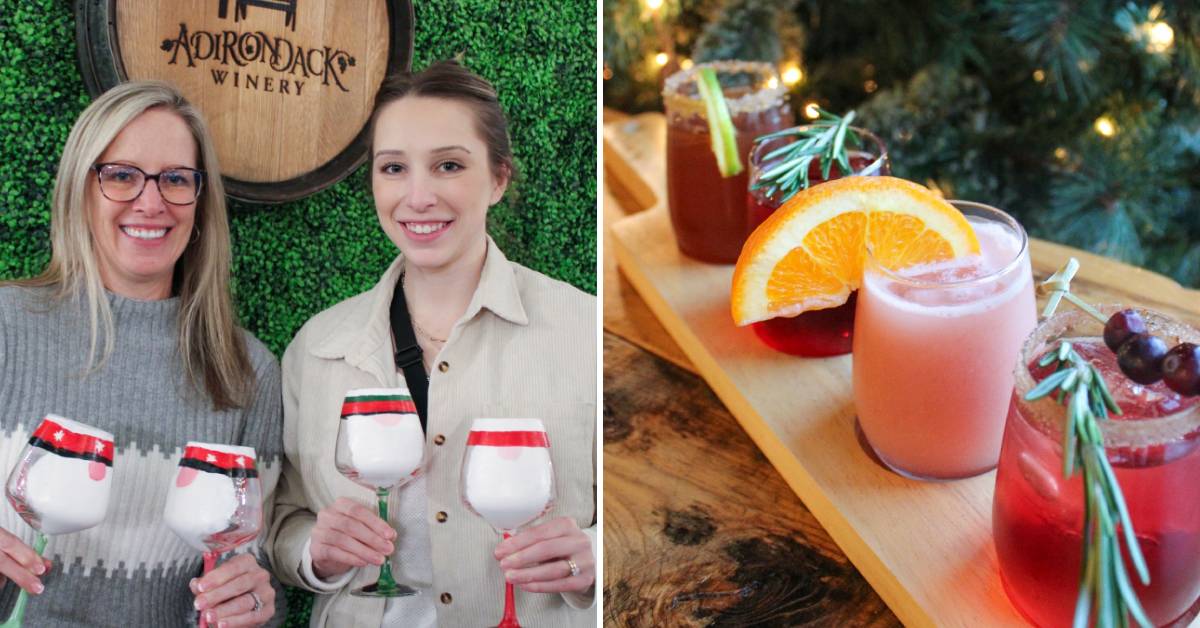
(1154, 450)
(934, 347)
(818, 333)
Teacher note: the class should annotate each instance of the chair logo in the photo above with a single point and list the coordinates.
(290, 66)
(287, 7)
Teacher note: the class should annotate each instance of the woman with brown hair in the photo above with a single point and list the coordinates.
(131, 329)
(496, 340)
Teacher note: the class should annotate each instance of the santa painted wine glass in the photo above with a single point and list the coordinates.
(508, 480)
(61, 484)
(380, 446)
(215, 503)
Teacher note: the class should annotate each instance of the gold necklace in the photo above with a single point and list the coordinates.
(416, 326)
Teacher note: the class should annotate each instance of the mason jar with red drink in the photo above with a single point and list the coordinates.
(708, 211)
(1040, 517)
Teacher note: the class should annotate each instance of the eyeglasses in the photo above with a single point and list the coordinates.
(123, 183)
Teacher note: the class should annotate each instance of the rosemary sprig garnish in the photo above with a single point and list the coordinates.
(1104, 584)
(824, 139)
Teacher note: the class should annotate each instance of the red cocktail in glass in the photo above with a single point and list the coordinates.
(1154, 449)
(818, 333)
(708, 211)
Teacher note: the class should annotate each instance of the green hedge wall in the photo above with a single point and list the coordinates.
(295, 259)
(292, 260)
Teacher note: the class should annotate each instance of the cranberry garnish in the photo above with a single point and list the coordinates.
(1141, 357)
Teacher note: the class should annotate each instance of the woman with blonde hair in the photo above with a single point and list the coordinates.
(493, 339)
(131, 329)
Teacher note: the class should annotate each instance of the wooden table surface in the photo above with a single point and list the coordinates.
(699, 529)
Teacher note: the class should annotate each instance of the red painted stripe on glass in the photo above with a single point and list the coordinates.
(378, 407)
(64, 438)
(219, 458)
(508, 439)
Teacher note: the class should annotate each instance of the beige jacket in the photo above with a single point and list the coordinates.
(526, 347)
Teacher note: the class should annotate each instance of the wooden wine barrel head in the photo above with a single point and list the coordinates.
(286, 85)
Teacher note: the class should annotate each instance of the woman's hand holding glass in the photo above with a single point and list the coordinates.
(237, 593)
(539, 559)
(348, 535)
(21, 564)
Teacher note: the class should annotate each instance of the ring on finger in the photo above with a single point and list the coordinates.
(257, 602)
(573, 567)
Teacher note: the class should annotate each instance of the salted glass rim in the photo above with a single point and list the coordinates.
(1047, 415)
(762, 98)
(995, 275)
(881, 154)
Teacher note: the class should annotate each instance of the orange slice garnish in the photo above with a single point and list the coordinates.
(809, 254)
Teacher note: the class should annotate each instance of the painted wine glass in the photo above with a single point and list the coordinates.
(508, 480)
(215, 503)
(60, 485)
(380, 446)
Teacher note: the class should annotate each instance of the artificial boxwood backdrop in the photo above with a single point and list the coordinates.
(293, 260)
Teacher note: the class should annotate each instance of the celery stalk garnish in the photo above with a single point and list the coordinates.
(720, 125)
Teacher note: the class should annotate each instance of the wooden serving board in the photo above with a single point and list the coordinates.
(925, 547)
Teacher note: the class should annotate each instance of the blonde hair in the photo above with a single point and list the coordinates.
(209, 341)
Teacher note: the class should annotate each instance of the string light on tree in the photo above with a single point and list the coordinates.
(1157, 34)
(1147, 30)
(1061, 153)
(1039, 75)
(1159, 38)
(792, 74)
(812, 110)
(685, 63)
(1105, 126)
(772, 83)
(666, 47)
(653, 11)
(870, 86)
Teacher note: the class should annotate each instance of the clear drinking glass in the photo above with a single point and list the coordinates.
(215, 503)
(934, 347)
(819, 333)
(708, 211)
(380, 446)
(1154, 450)
(60, 485)
(508, 480)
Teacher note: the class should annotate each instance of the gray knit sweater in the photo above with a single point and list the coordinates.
(131, 570)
